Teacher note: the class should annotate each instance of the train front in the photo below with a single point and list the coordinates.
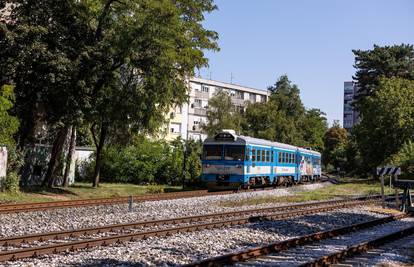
(223, 161)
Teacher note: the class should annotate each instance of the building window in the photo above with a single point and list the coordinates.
(263, 98)
(232, 93)
(204, 88)
(252, 97)
(197, 103)
(175, 127)
(239, 95)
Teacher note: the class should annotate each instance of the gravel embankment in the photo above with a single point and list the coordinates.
(74, 218)
(325, 247)
(397, 253)
(185, 248)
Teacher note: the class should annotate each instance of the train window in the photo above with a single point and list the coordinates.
(253, 154)
(247, 154)
(263, 156)
(292, 158)
(234, 153)
(267, 156)
(272, 158)
(258, 155)
(212, 152)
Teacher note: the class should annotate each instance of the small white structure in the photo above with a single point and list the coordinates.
(3, 162)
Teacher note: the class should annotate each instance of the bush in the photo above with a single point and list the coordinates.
(147, 161)
(11, 183)
(155, 189)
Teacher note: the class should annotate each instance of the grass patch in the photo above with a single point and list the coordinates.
(82, 191)
(325, 193)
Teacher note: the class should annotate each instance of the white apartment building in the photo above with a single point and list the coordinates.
(351, 116)
(186, 120)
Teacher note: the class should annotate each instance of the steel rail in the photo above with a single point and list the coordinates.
(104, 241)
(16, 240)
(360, 248)
(22, 207)
(36, 206)
(244, 255)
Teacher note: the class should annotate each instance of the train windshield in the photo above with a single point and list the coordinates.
(212, 152)
(234, 153)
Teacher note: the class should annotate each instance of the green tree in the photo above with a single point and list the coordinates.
(80, 56)
(386, 61)
(286, 97)
(404, 158)
(284, 118)
(9, 123)
(335, 142)
(313, 127)
(221, 114)
(387, 122)
(9, 127)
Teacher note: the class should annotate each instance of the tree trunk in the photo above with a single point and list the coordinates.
(54, 156)
(70, 156)
(99, 144)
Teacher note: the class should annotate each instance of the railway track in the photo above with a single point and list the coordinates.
(106, 235)
(36, 206)
(293, 252)
(24, 207)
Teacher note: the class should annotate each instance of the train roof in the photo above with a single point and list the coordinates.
(230, 136)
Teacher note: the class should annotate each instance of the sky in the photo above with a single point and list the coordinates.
(310, 41)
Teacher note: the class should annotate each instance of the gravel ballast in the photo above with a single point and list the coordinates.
(185, 248)
(74, 218)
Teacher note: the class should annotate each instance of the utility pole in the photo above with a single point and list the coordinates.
(231, 77)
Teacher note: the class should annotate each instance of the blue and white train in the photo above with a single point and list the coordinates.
(234, 162)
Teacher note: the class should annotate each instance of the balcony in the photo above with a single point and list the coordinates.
(200, 94)
(200, 111)
(237, 101)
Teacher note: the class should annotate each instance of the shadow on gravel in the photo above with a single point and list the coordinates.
(293, 227)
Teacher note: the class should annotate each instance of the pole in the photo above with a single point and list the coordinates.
(184, 163)
(130, 202)
(382, 191)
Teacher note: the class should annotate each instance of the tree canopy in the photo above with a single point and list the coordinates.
(221, 114)
(387, 122)
(9, 123)
(335, 142)
(283, 118)
(381, 62)
(101, 62)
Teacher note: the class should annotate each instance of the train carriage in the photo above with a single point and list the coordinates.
(232, 162)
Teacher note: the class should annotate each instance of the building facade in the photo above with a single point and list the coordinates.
(187, 120)
(351, 116)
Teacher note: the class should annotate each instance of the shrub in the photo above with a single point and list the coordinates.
(155, 189)
(11, 183)
(147, 161)
(405, 159)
